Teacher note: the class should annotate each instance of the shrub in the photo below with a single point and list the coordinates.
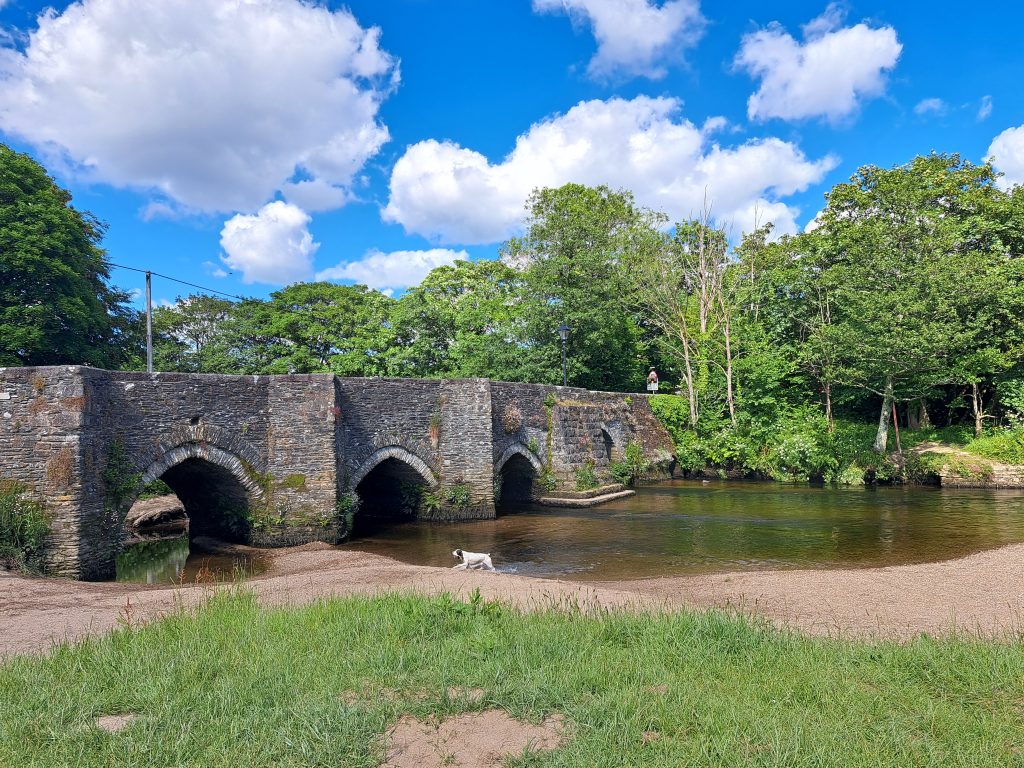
(632, 466)
(458, 495)
(24, 526)
(548, 481)
(673, 412)
(1006, 445)
(154, 489)
(511, 418)
(973, 470)
(585, 476)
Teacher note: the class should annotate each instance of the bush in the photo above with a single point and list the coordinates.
(632, 467)
(458, 496)
(673, 412)
(155, 489)
(1005, 445)
(24, 526)
(585, 476)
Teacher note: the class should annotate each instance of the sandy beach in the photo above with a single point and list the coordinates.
(979, 594)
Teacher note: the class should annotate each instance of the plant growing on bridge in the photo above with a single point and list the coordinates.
(511, 418)
(586, 478)
(430, 501)
(547, 480)
(458, 495)
(24, 526)
(632, 466)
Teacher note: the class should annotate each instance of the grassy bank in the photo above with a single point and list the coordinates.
(235, 685)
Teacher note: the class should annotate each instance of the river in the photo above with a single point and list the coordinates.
(681, 527)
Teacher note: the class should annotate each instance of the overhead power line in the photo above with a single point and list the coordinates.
(176, 280)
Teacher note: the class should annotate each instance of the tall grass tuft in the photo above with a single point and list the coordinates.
(24, 526)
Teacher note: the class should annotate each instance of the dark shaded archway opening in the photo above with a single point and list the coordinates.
(607, 444)
(193, 499)
(215, 502)
(518, 484)
(389, 494)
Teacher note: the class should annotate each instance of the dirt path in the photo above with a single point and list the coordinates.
(981, 593)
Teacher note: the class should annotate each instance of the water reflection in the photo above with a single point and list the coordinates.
(683, 527)
(170, 561)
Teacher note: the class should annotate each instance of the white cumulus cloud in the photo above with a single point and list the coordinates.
(1006, 153)
(274, 246)
(211, 104)
(931, 106)
(636, 37)
(456, 195)
(388, 272)
(985, 108)
(829, 74)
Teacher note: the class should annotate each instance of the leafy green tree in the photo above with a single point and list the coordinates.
(56, 305)
(573, 256)
(462, 320)
(323, 327)
(192, 336)
(909, 255)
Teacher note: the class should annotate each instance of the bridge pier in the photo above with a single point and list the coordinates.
(279, 460)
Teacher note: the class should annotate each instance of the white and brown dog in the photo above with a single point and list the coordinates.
(472, 561)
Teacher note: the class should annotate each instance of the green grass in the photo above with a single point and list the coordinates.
(234, 684)
(1005, 445)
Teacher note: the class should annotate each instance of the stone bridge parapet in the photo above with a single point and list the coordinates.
(279, 458)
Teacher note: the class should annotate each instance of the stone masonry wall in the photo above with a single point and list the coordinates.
(579, 420)
(302, 464)
(291, 447)
(41, 420)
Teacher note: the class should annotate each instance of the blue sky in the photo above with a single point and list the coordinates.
(247, 144)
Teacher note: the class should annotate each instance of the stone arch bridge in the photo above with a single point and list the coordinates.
(281, 460)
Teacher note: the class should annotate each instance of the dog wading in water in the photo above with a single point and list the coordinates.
(472, 561)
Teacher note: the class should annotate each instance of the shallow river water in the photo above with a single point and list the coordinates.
(685, 527)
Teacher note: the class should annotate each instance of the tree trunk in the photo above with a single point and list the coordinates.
(925, 421)
(691, 392)
(977, 407)
(827, 387)
(882, 437)
(913, 416)
(728, 369)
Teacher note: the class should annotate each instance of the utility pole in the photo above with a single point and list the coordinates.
(149, 322)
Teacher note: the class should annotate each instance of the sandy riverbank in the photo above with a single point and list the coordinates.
(981, 593)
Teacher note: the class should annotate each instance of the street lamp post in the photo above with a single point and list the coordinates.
(563, 333)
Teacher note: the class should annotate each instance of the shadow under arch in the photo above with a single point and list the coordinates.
(213, 486)
(517, 472)
(390, 485)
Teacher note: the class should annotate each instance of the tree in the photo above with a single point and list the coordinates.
(56, 305)
(684, 287)
(909, 255)
(320, 328)
(462, 320)
(192, 336)
(573, 256)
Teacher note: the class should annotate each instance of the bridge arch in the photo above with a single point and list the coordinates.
(397, 453)
(391, 484)
(521, 450)
(516, 473)
(217, 488)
